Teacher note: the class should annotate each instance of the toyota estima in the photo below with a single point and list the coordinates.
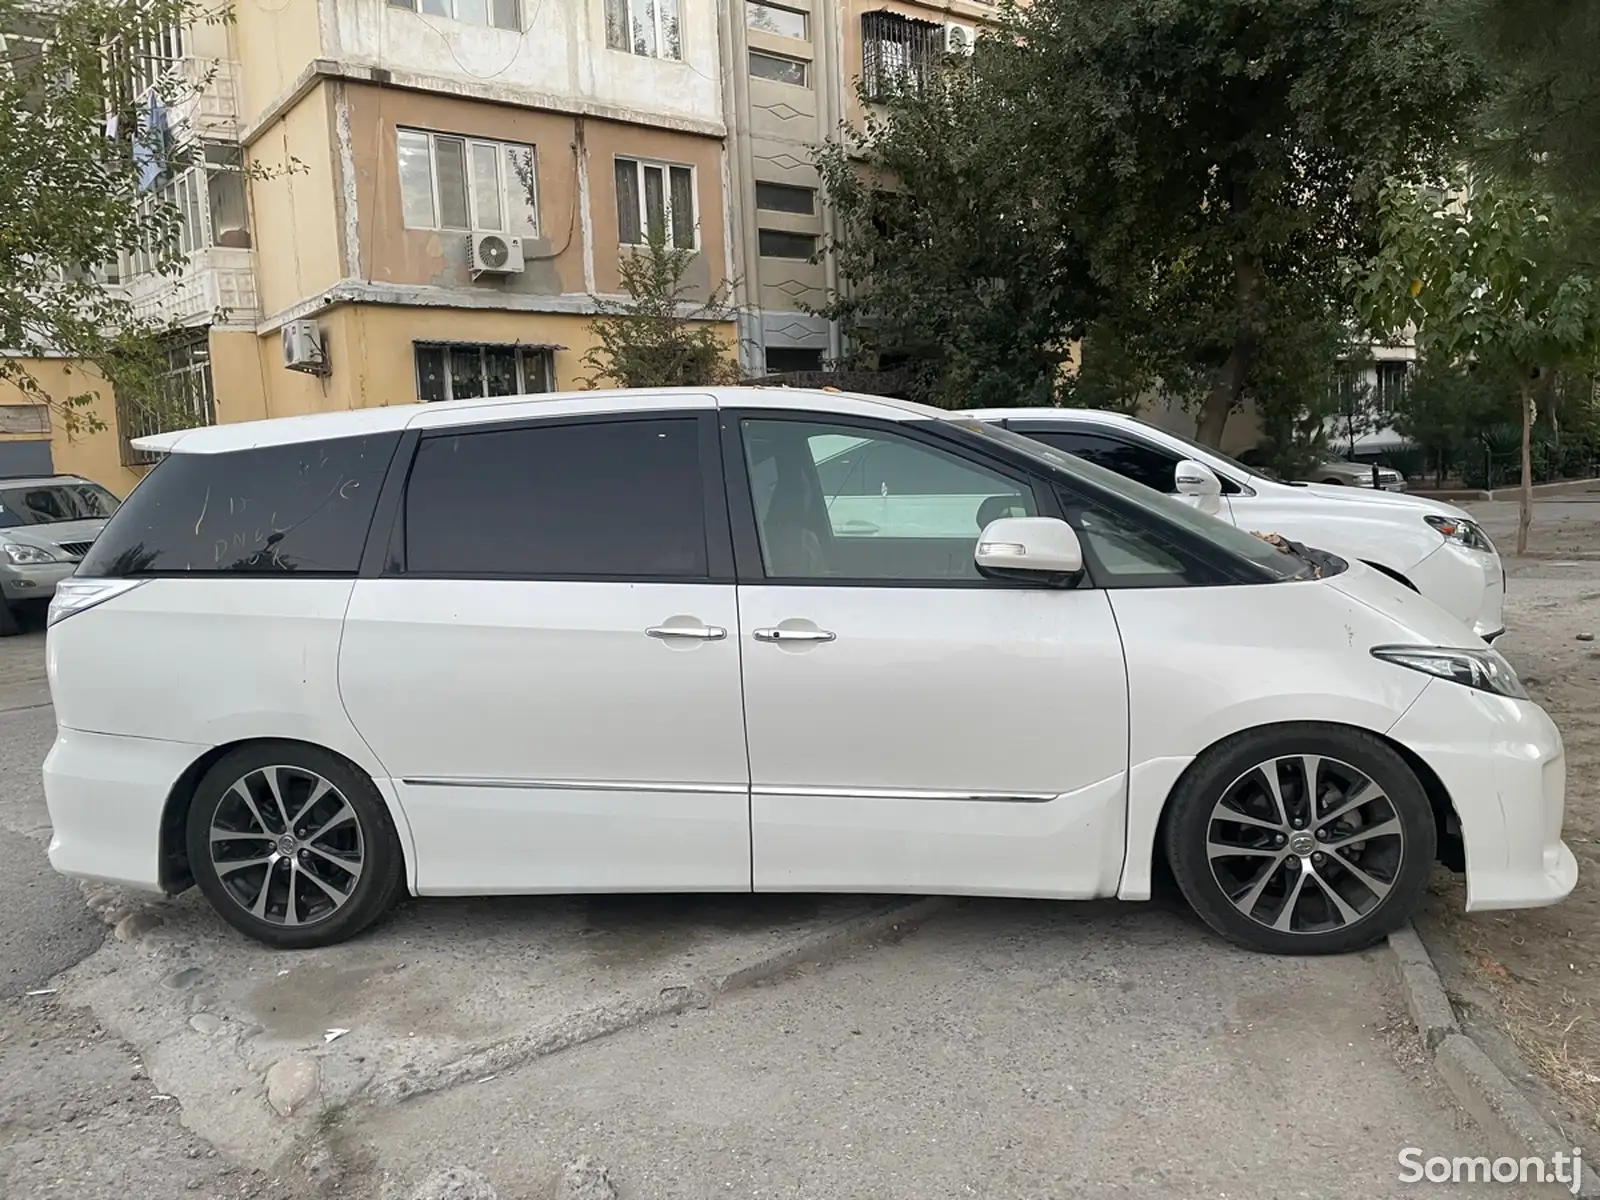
(758, 640)
(1434, 549)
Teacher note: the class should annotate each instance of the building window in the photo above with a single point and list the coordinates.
(778, 69)
(183, 398)
(1394, 376)
(647, 27)
(460, 371)
(786, 198)
(501, 14)
(782, 359)
(451, 182)
(780, 243)
(655, 196)
(771, 18)
(898, 54)
(153, 56)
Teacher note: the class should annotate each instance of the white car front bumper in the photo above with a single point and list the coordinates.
(1468, 584)
(1503, 765)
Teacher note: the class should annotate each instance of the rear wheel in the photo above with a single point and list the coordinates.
(293, 845)
(1302, 839)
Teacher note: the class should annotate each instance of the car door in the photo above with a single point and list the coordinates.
(548, 663)
(913, 726)
(1139, 460)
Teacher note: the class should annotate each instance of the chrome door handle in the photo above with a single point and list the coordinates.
(704, 633)
(794, 635)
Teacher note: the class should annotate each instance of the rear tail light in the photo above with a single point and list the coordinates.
(74, 595)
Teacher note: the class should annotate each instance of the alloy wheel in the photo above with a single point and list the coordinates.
(286, 846)
(1304, 844)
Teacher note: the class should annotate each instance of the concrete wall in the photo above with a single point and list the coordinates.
(274, 44)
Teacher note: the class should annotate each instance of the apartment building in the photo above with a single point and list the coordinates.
(793, 69)
(404, 200)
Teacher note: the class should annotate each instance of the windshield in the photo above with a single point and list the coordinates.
(53, 503)
(1165, 508)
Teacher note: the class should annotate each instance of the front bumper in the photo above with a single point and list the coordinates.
(1468, 584)
(33, 582)
(106, 795)
(1503, 765)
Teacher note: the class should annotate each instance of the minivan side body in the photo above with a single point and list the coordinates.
(662, 641)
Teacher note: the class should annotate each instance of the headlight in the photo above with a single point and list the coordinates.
(25, 555)
(1486, 670)
(1460, 530)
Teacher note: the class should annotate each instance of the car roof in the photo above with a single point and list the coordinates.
(282, 431)
(16, 481)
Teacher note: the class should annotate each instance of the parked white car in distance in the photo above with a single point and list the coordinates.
(1435, 549)
(758, 640)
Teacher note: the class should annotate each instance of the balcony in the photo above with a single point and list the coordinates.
(216, 286)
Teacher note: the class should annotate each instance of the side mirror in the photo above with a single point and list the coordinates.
(1200, 485)
(1041, 550)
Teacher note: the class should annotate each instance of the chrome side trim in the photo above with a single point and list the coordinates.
(838, 793)
(582, 785)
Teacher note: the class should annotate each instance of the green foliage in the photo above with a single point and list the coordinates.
(1444, 409)
(660, 336)
(71, 196)
(1543, 118)
(950, 253)
(1185, 178)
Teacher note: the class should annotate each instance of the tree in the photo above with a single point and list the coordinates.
(1188, 175)
(84, 156)
(1446, 405)
(1543, 116)
(951, 257)
(661, 336)
(1483, 272)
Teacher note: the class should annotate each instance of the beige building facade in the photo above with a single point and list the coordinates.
(406, 200)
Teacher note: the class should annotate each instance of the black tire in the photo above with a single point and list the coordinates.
(1231, 771)
(365, 839)
(9, 625)
(1334, 482)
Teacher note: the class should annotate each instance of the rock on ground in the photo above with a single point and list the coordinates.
(455, 1183)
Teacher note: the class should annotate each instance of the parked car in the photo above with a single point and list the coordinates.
(47, 524)
(1435, 549)
(758, 640)
(1340, 472)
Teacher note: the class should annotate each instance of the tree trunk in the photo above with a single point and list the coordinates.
(1525, 511)
(1228, 386)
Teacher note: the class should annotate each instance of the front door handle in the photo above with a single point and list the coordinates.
(704, 633)
(794, 635)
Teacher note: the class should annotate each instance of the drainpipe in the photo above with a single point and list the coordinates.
(832, 45)
(740, 198)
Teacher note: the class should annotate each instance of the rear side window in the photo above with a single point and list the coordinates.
(297, 509)
(602, 499)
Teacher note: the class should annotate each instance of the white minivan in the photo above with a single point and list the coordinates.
(758, 640)
(1433, 548)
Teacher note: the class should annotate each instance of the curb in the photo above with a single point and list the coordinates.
(628, 1012)
(1513, 1125)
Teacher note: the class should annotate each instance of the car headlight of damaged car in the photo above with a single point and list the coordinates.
(1486, 670)
(1459, 530)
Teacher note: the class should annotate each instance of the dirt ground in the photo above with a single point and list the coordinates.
(1542, 967)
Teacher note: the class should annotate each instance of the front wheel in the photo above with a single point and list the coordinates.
(293, 845)
(1302, 839)
(9, 625)
(1334, 482)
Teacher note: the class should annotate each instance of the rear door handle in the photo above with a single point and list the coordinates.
(794, 635)
(704, 633)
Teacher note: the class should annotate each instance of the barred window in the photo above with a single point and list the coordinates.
(183, 398)
(898, 54)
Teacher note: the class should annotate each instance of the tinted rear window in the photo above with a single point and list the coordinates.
(280, 509)
(608, 499)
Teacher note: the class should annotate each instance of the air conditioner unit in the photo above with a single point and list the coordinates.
(302, 348)
(494, 254)
(959, 39)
